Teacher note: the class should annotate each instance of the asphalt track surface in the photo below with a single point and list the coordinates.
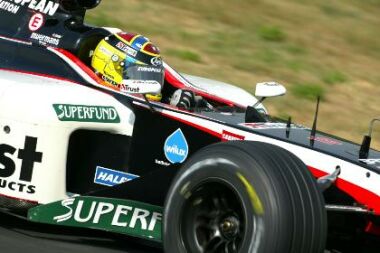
(20, 236)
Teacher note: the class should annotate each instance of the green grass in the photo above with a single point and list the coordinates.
(334, 77)
(296, 49)
(186, 55)
(336, 11)
(271, 33)
(308, 91)
(314, 47)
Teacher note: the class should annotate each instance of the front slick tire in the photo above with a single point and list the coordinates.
(244, 197)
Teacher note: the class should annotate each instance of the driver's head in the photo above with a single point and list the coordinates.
(128, 56)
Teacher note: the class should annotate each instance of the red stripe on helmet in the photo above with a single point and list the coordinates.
(127, 36)
(150, 48)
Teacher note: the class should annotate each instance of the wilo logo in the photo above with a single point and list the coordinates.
(176, 148)
(85, 113)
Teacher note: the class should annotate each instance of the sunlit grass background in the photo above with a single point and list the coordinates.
(314, 47)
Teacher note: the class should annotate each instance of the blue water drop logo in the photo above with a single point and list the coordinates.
(176, 148)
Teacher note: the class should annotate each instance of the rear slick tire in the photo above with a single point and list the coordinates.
(244, 197)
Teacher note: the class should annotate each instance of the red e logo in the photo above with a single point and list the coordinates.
(36, 21)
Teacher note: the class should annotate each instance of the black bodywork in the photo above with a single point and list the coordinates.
(150, 131)
(66, 26)
(143, 153)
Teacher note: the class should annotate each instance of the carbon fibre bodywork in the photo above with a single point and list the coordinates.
(66, 130)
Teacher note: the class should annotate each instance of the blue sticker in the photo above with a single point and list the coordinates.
(176, 148)
(110, 177)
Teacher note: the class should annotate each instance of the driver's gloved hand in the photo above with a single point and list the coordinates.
(184, 99)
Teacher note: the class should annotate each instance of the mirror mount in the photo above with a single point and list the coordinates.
(366, 144)
(149, 104)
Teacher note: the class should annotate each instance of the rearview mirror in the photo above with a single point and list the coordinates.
(269, 89)
(73, 5)
(88, 4)
(140, 87)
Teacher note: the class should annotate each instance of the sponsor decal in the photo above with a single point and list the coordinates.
(107, 79)
(110, 177)
(135, 85)
(326, 140)
(127, 49)
(270, 125)
(163, 163)
(9, 7)
(114, 215)
(44, 39)
(86, 113)
(58, 36)
(265, 125)
(42, 6)
(271, 84)
(175, 148)
(156, 61)
(127, 88)
(28, 156)
(228, 136)
(36, 22)
(105, 51)
(373, 162)
(115, 58)
(149, 69)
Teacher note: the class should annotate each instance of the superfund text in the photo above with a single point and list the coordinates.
(87, 113)
(109, 213)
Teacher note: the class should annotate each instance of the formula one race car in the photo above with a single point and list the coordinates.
(225, 177)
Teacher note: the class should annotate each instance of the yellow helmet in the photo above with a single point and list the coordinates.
(127, 56)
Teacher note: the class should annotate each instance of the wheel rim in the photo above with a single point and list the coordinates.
(213, 219)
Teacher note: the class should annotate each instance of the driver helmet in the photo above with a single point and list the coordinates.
(131, 56)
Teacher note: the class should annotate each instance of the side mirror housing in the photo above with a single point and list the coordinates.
(73, 5)
(269, 89)
(88, 4)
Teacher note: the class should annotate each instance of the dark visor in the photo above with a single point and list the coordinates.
(145, 73)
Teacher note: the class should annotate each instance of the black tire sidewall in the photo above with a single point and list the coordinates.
(226, 163)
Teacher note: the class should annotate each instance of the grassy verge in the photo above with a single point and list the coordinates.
(326, 48)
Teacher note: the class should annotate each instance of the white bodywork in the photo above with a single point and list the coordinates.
(353, 178)
(26, 109)
(224, 90)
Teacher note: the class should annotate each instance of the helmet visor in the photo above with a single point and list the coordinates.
(145, 73)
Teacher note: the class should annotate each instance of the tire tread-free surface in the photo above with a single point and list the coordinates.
(294, 218)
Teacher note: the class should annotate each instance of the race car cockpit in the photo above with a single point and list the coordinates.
(53, 40)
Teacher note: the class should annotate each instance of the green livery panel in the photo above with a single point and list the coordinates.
(114, 215)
